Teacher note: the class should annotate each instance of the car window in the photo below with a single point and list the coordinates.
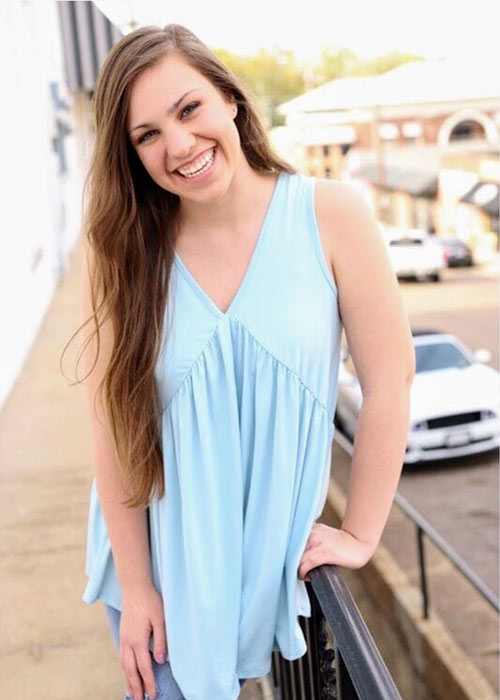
(434, 356)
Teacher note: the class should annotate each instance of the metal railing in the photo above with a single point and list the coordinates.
(425, 528)
(342, 661)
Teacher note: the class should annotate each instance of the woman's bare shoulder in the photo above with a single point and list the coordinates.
(370, 301)
(340, 199)
(344, 219)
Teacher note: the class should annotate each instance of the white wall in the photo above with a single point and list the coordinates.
(41, 207)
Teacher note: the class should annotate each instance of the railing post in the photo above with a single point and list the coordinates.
(314, 625)
(448, 551)
(308, 658)
(423, 576)
(341, 661)
(346, 690)
(326, 657)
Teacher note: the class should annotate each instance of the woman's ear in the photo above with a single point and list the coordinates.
(234, 106)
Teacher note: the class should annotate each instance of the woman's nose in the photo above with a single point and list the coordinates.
(179, 144)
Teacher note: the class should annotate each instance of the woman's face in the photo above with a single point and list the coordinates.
(176, 118)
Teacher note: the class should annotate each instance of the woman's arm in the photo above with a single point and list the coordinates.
(381, 344)
(127, 527)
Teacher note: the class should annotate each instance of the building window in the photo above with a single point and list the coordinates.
(388, 131)
(327, 172)
(326, 150)
(411, 130)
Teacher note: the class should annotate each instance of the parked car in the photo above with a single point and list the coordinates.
(414, 253)
(457, 253)
(454, 400)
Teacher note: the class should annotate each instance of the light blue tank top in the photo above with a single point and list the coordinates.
(248, 398)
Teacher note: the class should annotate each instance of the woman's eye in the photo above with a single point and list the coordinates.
(189, 108)
(186, 111)
(145, 136)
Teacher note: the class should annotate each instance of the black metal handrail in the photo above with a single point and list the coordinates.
(352, 668)
(424, 527)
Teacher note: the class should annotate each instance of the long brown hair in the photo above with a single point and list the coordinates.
(130, 225)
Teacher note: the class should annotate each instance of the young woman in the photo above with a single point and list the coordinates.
(219, 279)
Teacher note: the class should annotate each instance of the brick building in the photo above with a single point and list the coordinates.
(416, 139)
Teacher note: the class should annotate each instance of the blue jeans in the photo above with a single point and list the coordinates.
(167, 688)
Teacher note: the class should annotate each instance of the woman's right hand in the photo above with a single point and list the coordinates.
(142, 615)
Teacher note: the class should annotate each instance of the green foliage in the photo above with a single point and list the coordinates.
(341, 63)
(273, 76)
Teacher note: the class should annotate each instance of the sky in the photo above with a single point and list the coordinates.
(430, 29)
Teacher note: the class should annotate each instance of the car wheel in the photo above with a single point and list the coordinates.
(435, 277)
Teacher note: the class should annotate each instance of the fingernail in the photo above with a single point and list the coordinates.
(161, 658)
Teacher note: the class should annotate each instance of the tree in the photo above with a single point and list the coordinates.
(342, 62)
(271, 77)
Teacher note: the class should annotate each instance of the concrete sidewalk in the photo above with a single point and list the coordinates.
(53, 645)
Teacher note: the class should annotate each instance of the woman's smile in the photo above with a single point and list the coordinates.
(201, 169)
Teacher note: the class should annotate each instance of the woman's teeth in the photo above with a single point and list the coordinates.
(205, 163)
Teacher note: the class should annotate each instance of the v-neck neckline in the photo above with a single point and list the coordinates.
(251, 265)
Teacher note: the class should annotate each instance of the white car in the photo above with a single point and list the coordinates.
(414, 253)
(454, 400)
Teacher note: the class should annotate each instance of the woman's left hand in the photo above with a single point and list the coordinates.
(328, 545)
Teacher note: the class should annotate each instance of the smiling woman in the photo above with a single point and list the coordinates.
(184, 145)
(177, 144)
(213, 368)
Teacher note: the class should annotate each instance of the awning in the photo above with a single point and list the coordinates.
(87, 38)
(414, 182)
(484, 195)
